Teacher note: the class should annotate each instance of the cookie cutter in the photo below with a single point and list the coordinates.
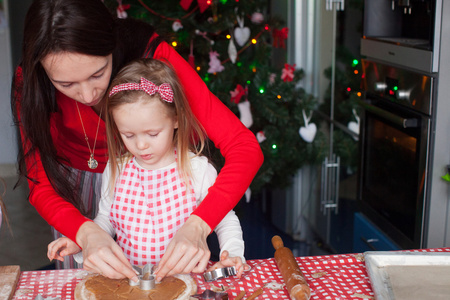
(146, 279)
(219, 273)
(209, 294)
(40, 297)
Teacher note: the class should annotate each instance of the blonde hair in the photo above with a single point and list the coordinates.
(190, 135)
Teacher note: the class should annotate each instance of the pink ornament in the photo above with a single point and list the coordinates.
(272, 77)
(257, 18)
(214, 63)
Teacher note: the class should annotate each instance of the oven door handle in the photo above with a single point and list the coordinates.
(405, 123)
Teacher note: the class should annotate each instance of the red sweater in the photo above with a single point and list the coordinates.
(238, 145)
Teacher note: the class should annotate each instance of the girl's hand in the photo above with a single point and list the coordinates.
(188, 251)
(226, 261)
(102, 255)
(62, 247)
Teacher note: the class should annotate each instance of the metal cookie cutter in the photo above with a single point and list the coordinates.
(219, 273)
(146, 278)
(208, 294)
(40, 297)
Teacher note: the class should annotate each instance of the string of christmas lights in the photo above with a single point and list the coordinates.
(165, 17)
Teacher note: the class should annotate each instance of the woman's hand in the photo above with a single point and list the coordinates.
(101, 254)
(62, 247)
(187, 251)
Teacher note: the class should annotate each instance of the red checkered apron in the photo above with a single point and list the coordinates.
(149, 207)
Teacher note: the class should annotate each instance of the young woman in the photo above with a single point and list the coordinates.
(157, 175)
(71, 49)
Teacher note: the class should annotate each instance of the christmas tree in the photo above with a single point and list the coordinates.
(229, 43)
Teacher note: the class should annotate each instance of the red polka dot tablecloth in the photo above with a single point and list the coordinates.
(329, 277)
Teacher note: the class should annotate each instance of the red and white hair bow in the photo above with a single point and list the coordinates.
(164, 90)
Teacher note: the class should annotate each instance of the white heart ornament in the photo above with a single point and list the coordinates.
(308, 133)
(241, 35)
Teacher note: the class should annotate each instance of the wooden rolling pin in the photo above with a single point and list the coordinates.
(293, 278)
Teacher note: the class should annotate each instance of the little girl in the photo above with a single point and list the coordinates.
(156, 175)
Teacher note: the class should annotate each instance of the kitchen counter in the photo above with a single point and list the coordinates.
(341, 276)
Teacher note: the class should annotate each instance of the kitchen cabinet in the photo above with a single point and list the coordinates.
(367, 237)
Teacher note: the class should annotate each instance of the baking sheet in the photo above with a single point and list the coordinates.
(408, 275)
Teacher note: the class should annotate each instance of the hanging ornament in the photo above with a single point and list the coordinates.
(354, 126)
(204, 35)
(245, 113)
(241, 33)
(177, 25)
(202, 4)
(244, 107)
(232, 52)
(248, 195)
(237, 94)
(260, 136)
(191, 59)
(214, 63)
(257, 18)
(279, 37)
(287, 74)
(121, 10)
(272, 78)
(308, 132)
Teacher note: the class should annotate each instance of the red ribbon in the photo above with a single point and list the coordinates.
(279, 36)
(237, 94)
(202, 4)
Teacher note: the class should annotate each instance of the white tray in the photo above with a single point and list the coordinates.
(409, 275)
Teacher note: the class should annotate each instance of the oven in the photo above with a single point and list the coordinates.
(396, 136)
(403, 32)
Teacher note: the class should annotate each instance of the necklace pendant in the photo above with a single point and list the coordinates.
(92, 163)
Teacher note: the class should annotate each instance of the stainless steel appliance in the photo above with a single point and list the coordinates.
(396, 142)
(403, 32)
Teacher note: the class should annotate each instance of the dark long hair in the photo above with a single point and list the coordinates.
(52, 26)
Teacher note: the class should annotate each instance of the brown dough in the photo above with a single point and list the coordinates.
(97, 287)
